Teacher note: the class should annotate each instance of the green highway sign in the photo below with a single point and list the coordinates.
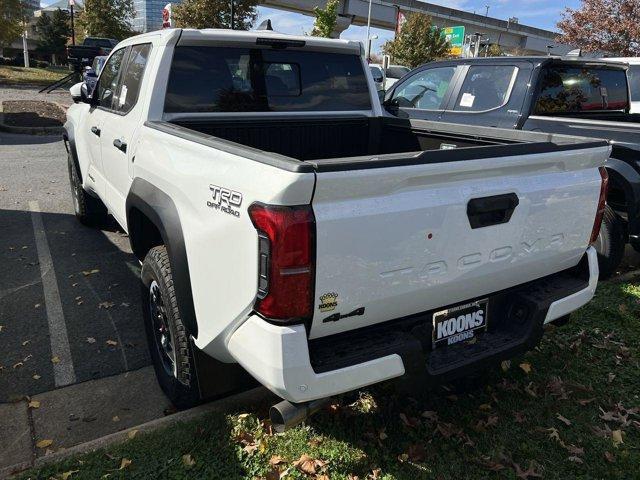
(455, 37)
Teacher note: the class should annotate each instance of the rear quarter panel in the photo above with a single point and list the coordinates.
(221, 248)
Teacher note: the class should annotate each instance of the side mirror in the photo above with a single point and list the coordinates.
(80, 93)
(381, 95)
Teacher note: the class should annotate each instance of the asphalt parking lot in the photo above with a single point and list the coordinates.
(69, 298)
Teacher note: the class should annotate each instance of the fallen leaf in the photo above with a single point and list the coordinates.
(36, 376)
(575, 459)
(308, 465)
(113, 343)
(124, 463)
(410, 422)
(188, 461)
(66, 475)
(526, 367)
(55, 359)
(616, 436)
(106, 305)
(276, 460)
(132, 434)
(86, 273)
(611, 377)
(91, 340)
(609, 456)
(585, 401)
(18, 365)
(564, 420)
(416, 453)
(34, 404)
(37, 305)
(485, 406)
(26, 342)
(115, 419)
(506, 365)
(44, 443)
(528, 473)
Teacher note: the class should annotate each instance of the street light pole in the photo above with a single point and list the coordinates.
(369, 33)
(73, 30)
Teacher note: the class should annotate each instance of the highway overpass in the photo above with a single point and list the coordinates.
(509, 35)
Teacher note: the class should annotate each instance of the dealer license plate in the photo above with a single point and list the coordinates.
(460, 323)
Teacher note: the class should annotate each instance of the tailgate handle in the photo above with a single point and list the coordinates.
(494, 210)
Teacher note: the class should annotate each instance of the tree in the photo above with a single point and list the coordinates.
(214, 14)
(54, 31)
(326, 19)
(494, 50)
(107, 18)
(12, 18)
(611, 26)
(418, 42)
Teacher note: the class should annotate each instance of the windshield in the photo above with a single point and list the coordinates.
(633, 74)
(230, 79)
(397, 71)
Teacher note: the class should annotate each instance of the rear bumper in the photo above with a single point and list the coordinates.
(299, 370)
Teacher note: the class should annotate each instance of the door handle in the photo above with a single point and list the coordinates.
(95, 131)
(487, 211)
(120, 145)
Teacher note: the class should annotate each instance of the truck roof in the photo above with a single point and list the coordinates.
(191, 36)
(540, 59)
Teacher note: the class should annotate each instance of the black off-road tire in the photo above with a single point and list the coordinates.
(89, 210)
(611, 243)
(181, 385)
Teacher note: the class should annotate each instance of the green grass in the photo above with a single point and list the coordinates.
(30, 76)
(582, 371)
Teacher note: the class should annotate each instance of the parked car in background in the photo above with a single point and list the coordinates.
(386, 77)
(576, 96)
(633, 76)
(90, 74)
(378, 76)
(80, 56)
(393, 73)
(288, 229)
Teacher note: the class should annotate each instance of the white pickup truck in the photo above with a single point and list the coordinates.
(287, 229)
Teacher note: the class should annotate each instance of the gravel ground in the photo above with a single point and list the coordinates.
(61, 96)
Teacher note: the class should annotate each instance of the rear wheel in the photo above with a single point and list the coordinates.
(610, 243)
(89, 210)
(167, 336)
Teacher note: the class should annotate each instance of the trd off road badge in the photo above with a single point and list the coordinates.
(328, 301)
(225, 200)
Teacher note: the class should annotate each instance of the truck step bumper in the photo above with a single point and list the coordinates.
(298, 370)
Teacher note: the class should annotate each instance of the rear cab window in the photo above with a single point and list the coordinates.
(485, 87)
(238, 79)
(568, 89)
(633, 76)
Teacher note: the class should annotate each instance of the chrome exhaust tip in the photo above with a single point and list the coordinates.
(285, 415)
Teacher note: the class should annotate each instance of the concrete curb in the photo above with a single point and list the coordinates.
(31, 130)
(250, 398)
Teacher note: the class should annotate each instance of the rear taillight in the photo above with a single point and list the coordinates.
(286, 251)
(602, 201)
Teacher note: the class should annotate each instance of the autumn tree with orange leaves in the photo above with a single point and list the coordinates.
(608, 26)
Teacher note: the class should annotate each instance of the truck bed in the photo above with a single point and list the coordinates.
(364, 142)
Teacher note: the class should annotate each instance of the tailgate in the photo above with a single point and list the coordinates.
(396, 241)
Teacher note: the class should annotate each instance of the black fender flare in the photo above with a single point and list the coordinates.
(160, 209)
(624, 175)
(68, 138)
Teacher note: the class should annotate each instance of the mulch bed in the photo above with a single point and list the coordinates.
(32, 113)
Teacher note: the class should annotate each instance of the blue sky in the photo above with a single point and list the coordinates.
(536, 13)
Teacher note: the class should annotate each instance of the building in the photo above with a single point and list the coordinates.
(149, 14)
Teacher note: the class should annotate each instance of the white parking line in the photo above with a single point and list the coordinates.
(63, 371)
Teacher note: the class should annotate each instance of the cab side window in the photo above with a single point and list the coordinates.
(132, 77)
(485, 87)
(425, 89)
(108, 82)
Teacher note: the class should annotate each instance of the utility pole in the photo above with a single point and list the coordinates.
(486, 13)
(25, 49)
(73, 30)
